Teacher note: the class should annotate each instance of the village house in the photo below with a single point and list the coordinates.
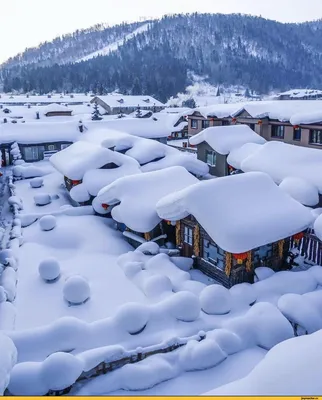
(119, 103)
(299, 94)
(132, 202)
(56, 110)
(232, 225)
(215, 143)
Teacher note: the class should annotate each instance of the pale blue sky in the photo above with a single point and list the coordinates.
(26, 23)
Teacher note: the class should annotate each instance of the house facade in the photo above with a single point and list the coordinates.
(37, 152)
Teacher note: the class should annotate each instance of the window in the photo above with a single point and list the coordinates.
(194, 124)
(31, 153)
(225, 122)
(252, 127)
(213, 254)
(51, 147)
(205, 124)
(211, 158)
(263, 252)
(297, 134)
(278, 131)
(316, 136)
(188, 235)
(64, 146)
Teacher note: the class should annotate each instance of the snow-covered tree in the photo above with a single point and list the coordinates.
(15, 152)
(138, 113)
(96, 115)
(247, 93)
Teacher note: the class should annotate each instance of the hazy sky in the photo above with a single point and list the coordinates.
(26, 23)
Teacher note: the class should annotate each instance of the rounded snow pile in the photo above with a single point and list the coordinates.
(17, 171)
(262, 273)
(301, 190)
(132, 317)
(131, 269)
(149, 248)
(49, 269)
(76, 290)
(80, 194)
(184, 306)
(8, 357)
(157, 285)
(36, 182)
(47, 223)
(244, 294)
(42, 199)
(215, 300)
(19, 162)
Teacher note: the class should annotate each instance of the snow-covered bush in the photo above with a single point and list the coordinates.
(80, 194)
(262, 273)
(149, 248)
(8, 281)
(36, 183)
(47, 222)
(15, 152)
(157, 285)
(15, 201)
(5, 256)
(42, 199)
(184, 263)
(184, 306)
(19, 162)
(17, 222)
(244, 294)
(215, 300)
(49, 269)
(76, 290)
(132, 317)
(131, 269)
(17, 171)
(27, 219)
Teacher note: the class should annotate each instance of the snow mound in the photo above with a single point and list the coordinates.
(132, 317)
(149, 248)
(132, 268)
(301, 190)
(215, 300)
(76, 290)
(243, 294)
(262, 273)
(184, 306)
(49, 269)
(42, 199)
(80, 194)
(183, 263)
(8, 357)
(15, 201)
(47, 222)
(157, 286)
(229, 342)
(36, 183)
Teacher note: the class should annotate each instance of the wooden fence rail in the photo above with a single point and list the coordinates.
(310, 247)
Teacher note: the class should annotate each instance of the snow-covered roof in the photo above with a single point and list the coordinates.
(80, 157)
(239, 212)
(283, 371)
(39, 132)
(54, 107)
(44, 99)
(96, 179)
(224, 139)
(282, 110)
(217, 110)
(301, 190)
(176, 110)
(239, 154)
(307, 118)
(282, 160)
(123, 101)
(139, 194)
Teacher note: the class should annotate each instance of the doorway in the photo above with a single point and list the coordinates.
(187, 241)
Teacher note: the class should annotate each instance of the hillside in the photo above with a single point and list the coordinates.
(159, 59)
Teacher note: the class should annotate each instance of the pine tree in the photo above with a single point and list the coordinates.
(218, 92)
(138, 113)
(247, 93)
(96, 115)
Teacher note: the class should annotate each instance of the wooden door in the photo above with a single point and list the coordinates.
(187, 241)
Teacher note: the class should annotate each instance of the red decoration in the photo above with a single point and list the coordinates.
(169, 137)
(240, 257)
(296, 127)
(76, 182)
(298, 236)
(234, 119)
(260, 122)
(167, 222)
(105, 206)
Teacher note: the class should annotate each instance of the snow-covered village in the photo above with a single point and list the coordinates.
(160, 239)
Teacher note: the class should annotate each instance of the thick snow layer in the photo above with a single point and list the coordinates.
(136, 196)
(113, 100)
(304, 118)
(237, 156)
(261, 213)
(36, 183)
(281, 160)
(49, 269)
(224, 139)
(8, 357)
(80, 157)
(47, 222)
(217, 110)
(301, 190)
(215, 299)
(262, 273)
(149, 248)
(318, 227)
(79, 193)
(39, 132)
(76, 289)
(283, 372)
(42, 199)
(55, 107)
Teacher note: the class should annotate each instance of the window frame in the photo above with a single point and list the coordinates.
(188, 235)
(194, 121)
(280, 131)
(318, 133)
(297, 131)
(205, 122)
(213, 155)
(220, 261)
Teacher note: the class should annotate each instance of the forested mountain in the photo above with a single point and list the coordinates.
(229, 49)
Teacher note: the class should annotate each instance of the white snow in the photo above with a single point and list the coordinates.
(113, 100)
(217, 110)
(301, 190)
(261, 213)
(42, 199)
(283, 372)
(318, 227)
(224, 139)
(215, 299)
(135, 196)
(49, 269)
(132, 318)
(8, 356)
(238, 155)
(76, 289)
(281, 160)
(36, 183)
(54, 107)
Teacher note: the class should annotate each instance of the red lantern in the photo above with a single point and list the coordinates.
(296, 127)
(234, 120)
(169, 137)
(105, 206)
(167, 222)
(260, 122)
(240, 257)
(298, 237)
(74, 183)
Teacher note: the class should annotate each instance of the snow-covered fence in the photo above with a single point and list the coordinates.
(309, 247)
(84, 366)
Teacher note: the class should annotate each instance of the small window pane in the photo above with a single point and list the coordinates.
(194, 123)
(297, 134)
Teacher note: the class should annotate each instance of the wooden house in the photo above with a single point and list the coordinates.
(215, 143)
(56, 110)
(132, 202)
(234, 224)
